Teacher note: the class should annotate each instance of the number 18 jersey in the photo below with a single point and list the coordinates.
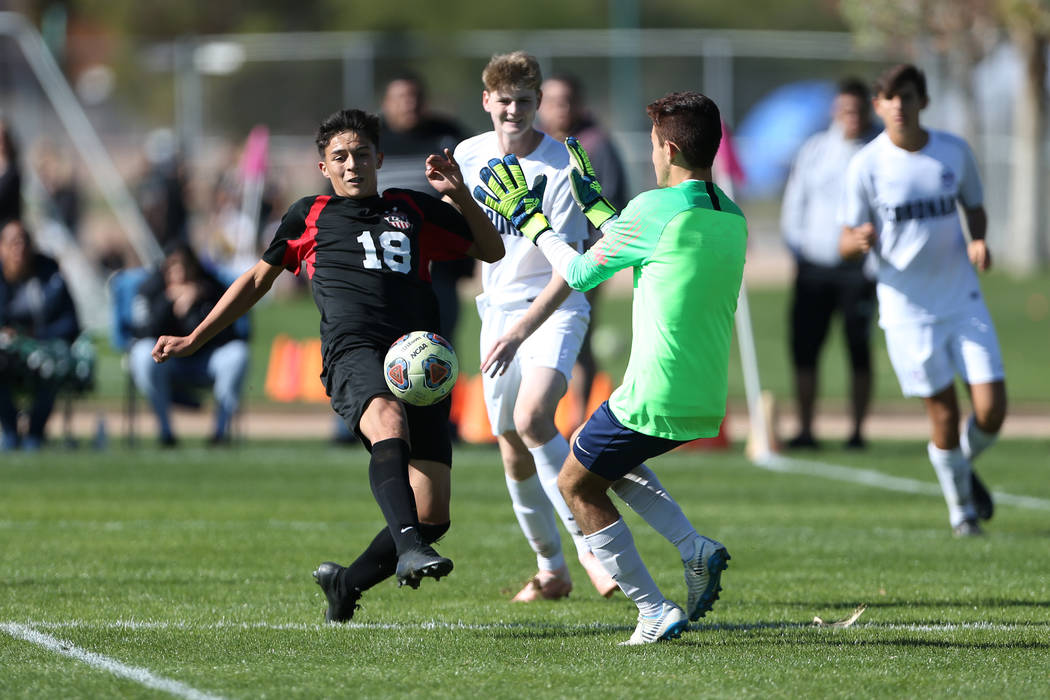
(368, 261)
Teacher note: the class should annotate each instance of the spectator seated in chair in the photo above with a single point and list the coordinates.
(172, 301)
(40, 353)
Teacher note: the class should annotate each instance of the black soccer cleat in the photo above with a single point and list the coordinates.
(418, 562)
(982, 499)
(341, 603)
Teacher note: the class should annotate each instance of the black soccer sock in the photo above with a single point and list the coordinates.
(388, 476)
(376, 563)
(379, 560)
(433, 533)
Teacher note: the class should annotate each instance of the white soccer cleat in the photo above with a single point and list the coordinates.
(669, 624)
(703, 574)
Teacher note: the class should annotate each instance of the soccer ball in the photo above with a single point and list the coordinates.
(420, 368)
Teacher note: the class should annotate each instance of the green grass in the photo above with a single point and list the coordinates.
(205, 556)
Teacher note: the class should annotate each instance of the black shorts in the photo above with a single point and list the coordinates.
(356, 376)
(820, 291)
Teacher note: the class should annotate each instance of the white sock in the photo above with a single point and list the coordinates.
(536, 518)
(953, 471)
(549, 459)
(614, 548)
(974, 441)
(643, 492)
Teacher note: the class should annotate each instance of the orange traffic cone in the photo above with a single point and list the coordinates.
(474, 426)
(310, 386)
(282, 370)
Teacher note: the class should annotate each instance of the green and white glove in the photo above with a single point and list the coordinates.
(510, 197)
(586, 189)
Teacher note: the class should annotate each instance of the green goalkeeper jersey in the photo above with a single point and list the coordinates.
(686, 245)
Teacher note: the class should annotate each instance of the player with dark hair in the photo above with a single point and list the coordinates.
(367, 256)
(686, 242)
(825, 284)
(902, 195)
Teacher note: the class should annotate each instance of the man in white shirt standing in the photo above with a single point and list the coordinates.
(532, 325)
(902, 192)
(824, 282)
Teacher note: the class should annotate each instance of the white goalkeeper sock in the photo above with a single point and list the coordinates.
(953, 472)
(549, 458)
(614, 548)
(643, 492)
(974, 441)
(536, 518)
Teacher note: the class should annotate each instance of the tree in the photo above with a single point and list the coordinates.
(1028, 22)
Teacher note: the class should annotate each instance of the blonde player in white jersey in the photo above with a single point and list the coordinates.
(901, 204)
(532, 325)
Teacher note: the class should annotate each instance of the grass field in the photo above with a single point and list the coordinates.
(189, 571)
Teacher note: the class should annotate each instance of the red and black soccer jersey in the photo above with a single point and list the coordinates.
(368, 261)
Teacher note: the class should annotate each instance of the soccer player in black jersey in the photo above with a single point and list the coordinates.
(367, 256)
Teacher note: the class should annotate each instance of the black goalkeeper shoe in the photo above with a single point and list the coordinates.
(418, 562)
(982, 499)
(341, 602)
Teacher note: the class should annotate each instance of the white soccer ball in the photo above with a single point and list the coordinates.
(420, 368)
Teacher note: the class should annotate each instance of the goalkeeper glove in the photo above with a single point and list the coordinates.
(511, 198)
(586, 189)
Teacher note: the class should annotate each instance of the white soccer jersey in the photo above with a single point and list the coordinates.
(924, 273)
(523, 272)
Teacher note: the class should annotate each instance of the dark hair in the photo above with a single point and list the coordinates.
(190, 259)
(854, 87)
(7, 142)
(408, 76)
(575, 86)
(690, 121)
(356, 120)
(893, 79)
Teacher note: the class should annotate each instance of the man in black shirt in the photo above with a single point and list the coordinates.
(368, 257)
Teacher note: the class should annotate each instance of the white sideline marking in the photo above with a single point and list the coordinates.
(133, 673)
(870, 477)
(503, 626)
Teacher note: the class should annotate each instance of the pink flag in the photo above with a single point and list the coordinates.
(253, 160)
(726, 160)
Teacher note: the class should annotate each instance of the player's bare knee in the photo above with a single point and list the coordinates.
(535, 425)
(991, 420)
(990, 414)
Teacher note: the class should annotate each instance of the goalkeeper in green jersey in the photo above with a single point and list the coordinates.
(686, 243)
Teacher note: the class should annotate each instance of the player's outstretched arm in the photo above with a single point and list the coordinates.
(445, 177)
(509, 196)
(242, 295)
(586, 189)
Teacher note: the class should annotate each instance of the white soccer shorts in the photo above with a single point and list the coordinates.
(555, 344)
(927, 356)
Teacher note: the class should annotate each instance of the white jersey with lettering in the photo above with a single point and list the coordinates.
(516, 279)
(924, 272)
